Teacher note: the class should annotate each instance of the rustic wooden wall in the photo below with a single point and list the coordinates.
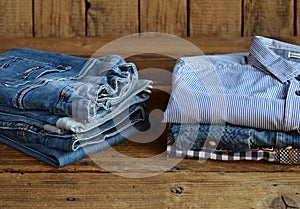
(74, 18)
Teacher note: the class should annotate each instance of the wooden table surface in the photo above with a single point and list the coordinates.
(143, 180)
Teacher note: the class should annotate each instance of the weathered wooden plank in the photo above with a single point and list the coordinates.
(269, 18)
(297, 16)
(165, 16)
(108, 161)
(56, 18)
(215, 18)
(16, 18)
(168, 190)
(88, 46)
(112, 17)
(80, 46)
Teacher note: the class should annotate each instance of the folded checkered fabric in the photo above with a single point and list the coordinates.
(233, 144)
(288, 156)
(282, 156)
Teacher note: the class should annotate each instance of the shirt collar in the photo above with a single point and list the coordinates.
(274, 57)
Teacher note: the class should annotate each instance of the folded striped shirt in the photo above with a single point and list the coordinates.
(258, 89)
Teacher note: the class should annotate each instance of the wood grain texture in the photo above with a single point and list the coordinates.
(269, 18)
(297, 15)
(73, 18)
(13, 161)
(112, 17)
(16, 18)
(215, 18)
(87, 46)
(167, 190)
(165, 16)
(56, 18)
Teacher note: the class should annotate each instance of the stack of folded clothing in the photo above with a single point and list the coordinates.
(240, 106)
(60, 109)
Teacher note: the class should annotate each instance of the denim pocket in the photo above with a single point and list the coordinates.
(18, 71)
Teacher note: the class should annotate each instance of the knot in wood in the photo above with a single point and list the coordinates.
(284, 202)
(177, 190)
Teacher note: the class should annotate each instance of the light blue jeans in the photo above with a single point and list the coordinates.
(17, 128)
(59, 158)
(84, 89)
(60, 108)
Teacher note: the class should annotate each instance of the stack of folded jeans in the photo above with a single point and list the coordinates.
(240, 106)
(60, 109)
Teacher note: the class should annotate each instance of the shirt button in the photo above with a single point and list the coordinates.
(297, 92)
(212, 143)
(298, 77)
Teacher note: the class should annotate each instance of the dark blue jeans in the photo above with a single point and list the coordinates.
(228, 137)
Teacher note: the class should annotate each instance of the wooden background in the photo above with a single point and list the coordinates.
(79, 18)
(226, 25)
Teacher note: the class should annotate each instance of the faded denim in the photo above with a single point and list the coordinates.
(58, 158)
(59, 108)
(28, 133)
(85, 89)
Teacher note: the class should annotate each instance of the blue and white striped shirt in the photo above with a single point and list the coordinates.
(259, 88)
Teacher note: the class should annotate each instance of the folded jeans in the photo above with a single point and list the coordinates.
(58, 158)
(81, 88)
(58, 124)
(228, 137)
(68, 141)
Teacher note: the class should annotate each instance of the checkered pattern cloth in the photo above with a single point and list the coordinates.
(282, 156)
(288, 156)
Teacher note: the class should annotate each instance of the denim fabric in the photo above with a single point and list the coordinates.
(58, 124)
(228, 137)
(19, 130)
(60, 108)
(257, 89)
(58, 158)
(69, 86)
